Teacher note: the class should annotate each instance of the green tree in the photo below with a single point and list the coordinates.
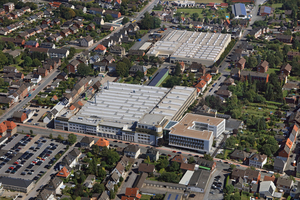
(158, 197)
(163, 163)
(36, 63)
(51, 136)
(83, 69)
(207, 157)
(11, 45)
(108, 18)
(232, 166)
(121, 69)
(60, 138)
(174, 166)
(112, 194)
(95, 150)
(195, 16)
(191, 160)
(125, 20)
(72, 138)
(177, 69)
(27, 61)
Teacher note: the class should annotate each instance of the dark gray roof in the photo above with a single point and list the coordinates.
(284, 181)
(239, 154)
(205, 163)
(200, 178)
(86, 140)
(60, 51)
(15, 182)
(278, 163)
(132, 148)
(54, 183)
(152, 151)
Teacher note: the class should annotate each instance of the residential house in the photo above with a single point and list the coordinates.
(42, 71)
(16, 41)
(115, 14)
(55, 184)
(101, 66)
(285, 150)
(63, 173)
(137, 68)
(207, 78)
(119, 169)
(54, 98)
(229, 81)
(285, 184)
(214, 70)
(132, 151)
(107, 27)
(63, 76)
(90, 27)
(263, 67)
(89, 181)
(58, 53)
(241, 63)
(292, 54)
(98, 21)
(279, 165)
(65, 32)
(8, 69)
(147, 168)
(249, 175)
(133, 27)
(96, 11)
(239, 155)
(132, 193)
(108, 59)
(117, 50)
(153, 154)
(11, 128)
(266, 11)
(267, 189)
(258, 160)
(71, 159)
(31, 43)
(45, 194)
(87, 142)
(100, 49)
(79, 24)
(3, 129)
(197, 67)
(180, 159)
(9, 7)
(201, 86)
(74, 29)
(284, 38)
(263, 77)
(101, 143)
(87, 41)
(286, 69)
(48, 13)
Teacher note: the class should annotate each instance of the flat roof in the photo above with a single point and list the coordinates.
(186, 177)
(173, 196)
(173, 101)
(200, 178)
(189, 44)
(184, 127)
(145, 46)
(152, 119)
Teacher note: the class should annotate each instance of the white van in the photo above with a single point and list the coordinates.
(270, 172)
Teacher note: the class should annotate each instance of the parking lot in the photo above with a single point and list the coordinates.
(216, 185)
(28, 157)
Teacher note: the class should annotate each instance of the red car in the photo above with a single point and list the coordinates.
(34, 162)
(16, 163)
(33, 89)
(169, 155)
(174, 151)
(11, 167)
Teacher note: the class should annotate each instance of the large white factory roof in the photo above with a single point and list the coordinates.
(188, 44)
(118, 104)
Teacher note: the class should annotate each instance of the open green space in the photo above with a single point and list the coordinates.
(276, 5)
(191, 11)
(273, 70)
(209, 1)
(261, 110)
(146, 197)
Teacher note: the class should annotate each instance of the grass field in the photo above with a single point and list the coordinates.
(277, 5)
(145, 197)
(191, 11)
(260, 110)
(273, 70)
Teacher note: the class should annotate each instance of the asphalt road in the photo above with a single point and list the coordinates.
(38, 88)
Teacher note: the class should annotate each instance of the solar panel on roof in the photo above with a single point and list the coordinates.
(267, 10)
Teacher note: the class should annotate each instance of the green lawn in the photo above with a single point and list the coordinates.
(273, 70)
(191, 11)
(208, 1)
(259, 110)
(277, 5)
(146, 197)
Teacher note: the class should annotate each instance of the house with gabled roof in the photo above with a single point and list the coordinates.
(63, 173)
(239, 155)
(71, 159)
(285, 150)
(55, 184)
(263, 67)
(101, 143)
(87, 142)
(201, 86)
(258, 160)
(179, 158)
(119, 169)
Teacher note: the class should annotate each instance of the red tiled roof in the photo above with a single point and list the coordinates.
(102, 142)
(80, 103)
(55, 97)
(289, 143)
(100, 47)
(269, 178)
(133, 192)
(295, 127)
(3, 128)
(63, 173)
(201, 84)
(10, 125)
(72, 107)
